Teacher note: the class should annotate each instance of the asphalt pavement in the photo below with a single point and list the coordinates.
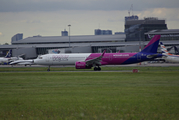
(136, 64)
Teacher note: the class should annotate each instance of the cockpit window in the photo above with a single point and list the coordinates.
(40, 58)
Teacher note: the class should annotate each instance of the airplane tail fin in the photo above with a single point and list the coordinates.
(164, 50)
(152, 46)
(9, 54)
(176, 50)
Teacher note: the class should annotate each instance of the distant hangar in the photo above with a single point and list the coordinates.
(83, 43)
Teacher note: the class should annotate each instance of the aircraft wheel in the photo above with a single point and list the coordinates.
(48, 68)
(97, 69)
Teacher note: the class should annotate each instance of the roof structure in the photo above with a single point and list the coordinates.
(84, 40)
(73, 39)
(65, 45)
(162, 32)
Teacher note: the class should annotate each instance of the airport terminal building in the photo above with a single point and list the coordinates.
(39, 45)
(137, 33)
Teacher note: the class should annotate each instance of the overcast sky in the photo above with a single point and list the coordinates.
(50, 17)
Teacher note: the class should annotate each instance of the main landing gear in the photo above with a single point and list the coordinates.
(97, 68)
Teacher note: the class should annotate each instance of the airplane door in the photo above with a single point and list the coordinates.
(47, 59)
(110, 57)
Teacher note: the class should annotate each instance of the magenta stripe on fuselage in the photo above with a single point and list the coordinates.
(112, 58)
(127, 58)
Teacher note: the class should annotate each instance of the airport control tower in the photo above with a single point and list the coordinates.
(135, 28)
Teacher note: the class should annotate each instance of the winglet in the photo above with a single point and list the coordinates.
(103, 52)
(96, 60)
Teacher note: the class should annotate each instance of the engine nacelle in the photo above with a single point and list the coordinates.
(82, 65)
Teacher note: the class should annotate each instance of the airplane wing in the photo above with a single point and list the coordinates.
(95, 61)
(26, 63)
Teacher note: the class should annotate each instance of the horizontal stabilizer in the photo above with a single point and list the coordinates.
(152, 56)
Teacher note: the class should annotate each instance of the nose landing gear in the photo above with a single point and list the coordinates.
(48, 68)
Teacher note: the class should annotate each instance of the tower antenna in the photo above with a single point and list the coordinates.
(131, 10)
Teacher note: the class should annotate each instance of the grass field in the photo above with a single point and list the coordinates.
(151, 94)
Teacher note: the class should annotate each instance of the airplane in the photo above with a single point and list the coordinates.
(89, 60)
(175, 48)
(168, 57)
(7, 58)
(22, 62)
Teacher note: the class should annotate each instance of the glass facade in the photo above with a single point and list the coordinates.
(64, 33)
(100, 49)
(44, 50)
(17, 37)
(103, 32)
(135, 29)
(164, 36)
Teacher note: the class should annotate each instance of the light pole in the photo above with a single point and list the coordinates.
(69, 35)
(139, 40)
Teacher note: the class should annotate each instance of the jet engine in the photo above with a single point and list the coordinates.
(82, 65)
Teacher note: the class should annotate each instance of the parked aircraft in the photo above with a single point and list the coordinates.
(168, 57)
(175, 48)
(22, 62)
(6, 59)
(89, 60)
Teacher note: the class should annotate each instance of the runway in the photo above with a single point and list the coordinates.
(136, 64)
(86, 70)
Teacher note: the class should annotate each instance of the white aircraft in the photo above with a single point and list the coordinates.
(89, 60)
(7, 58)
(22, 62)
(168, 57)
